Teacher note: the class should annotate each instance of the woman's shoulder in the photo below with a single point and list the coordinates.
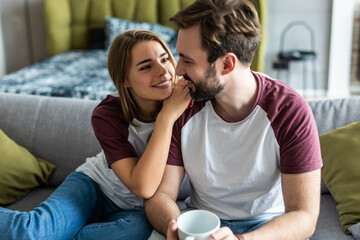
(110, 104)
(109, 109)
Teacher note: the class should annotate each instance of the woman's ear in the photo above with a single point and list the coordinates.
(229, 62)
(126, 83)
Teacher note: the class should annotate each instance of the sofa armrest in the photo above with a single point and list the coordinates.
(55, 129)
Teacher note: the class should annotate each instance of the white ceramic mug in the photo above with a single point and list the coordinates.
(197, 225)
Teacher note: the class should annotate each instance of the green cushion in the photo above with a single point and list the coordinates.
(116, 26)
(168, 9)
(340, 150)
(146, 11)
(57, 17)
(68, 22)
(99, 9)
(79, 11)
(258, 63)
(79, 16)
(127, 12)
(20, 171)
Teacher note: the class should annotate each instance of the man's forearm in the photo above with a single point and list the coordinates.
(160, 209)
(302, 226)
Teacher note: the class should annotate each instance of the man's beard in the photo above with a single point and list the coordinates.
(206, 88)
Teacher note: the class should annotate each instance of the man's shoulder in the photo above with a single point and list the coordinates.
(191, 112)
(277, 96)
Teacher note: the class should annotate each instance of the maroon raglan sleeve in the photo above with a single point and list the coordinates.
(111, 130)
(175, 156)
(294, 127)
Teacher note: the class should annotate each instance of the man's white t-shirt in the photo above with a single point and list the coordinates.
(235, 167)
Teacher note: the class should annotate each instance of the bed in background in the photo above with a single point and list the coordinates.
(80, 73)
(78, 35)
(74, 74)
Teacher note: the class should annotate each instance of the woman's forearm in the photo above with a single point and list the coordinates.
(148, 172)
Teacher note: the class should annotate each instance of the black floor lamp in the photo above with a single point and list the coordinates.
(286, 57)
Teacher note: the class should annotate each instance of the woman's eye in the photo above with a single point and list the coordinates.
(145, 67)
(165, 59)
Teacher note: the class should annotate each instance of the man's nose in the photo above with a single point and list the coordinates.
(179, 70)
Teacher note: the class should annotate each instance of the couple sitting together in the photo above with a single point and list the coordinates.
(248, 143)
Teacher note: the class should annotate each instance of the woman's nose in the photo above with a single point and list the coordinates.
(162, 70)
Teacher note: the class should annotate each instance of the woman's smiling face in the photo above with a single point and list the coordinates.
(151, 75)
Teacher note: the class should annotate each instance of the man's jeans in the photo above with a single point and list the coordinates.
(240, 227)
(236, 226)
(78, 209)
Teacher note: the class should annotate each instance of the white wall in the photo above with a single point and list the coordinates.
(317, 14)
(340, 48)
(332, 22)
(23, 32)
(14, 34)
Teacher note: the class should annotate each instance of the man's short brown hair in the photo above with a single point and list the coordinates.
(225, 25)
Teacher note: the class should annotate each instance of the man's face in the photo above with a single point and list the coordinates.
(202, 77)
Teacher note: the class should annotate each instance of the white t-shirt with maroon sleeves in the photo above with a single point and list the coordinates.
(119, 140)
(235, 167)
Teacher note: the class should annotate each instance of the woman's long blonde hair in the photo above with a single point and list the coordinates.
(119, 60)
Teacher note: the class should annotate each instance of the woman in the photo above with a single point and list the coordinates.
(91, 202)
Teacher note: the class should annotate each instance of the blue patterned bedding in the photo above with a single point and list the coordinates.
(79, 73)
(75, 74)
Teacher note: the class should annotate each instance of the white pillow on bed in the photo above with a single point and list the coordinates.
(116, 26)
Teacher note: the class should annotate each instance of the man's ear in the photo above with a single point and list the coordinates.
(229, 62)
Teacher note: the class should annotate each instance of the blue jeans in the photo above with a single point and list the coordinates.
(240, 226)
(78, 209)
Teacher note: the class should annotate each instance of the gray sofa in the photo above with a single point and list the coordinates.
(59, 130)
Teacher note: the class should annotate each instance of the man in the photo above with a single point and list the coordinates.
(249, 144)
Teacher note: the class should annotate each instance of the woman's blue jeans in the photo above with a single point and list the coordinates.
(78, 209)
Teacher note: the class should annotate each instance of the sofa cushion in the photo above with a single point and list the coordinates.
(335, 113)
(20, 171)
(97, 38)
(116, 26)
(355, 230)
(33, 199)
(57, 15)
(341, 171)
(328, 225)
(53, 128)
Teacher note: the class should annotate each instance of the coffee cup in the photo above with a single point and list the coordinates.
(197, 225)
